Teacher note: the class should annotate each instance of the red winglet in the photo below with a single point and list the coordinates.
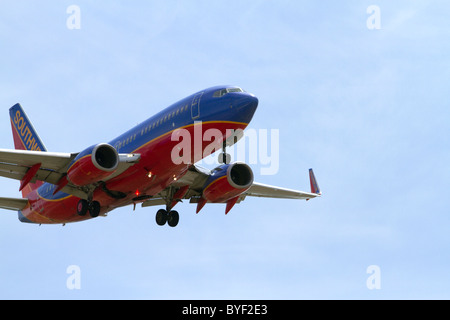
(29, 176)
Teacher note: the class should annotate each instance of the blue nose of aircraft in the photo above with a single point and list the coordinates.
(245, 105)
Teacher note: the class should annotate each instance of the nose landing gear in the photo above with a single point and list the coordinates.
(224, 157)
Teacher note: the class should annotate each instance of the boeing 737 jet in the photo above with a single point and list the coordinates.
(145, 165)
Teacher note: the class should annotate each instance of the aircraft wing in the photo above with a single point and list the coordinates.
(266, 191)
(14, 164)
(196, 177)
(51, 167)
(13, 203)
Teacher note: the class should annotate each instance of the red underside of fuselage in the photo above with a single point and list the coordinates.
(155, 158)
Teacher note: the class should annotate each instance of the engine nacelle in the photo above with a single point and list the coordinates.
(93, 164)
(227, 182)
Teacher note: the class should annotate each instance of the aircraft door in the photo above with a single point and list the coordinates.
(195, 106)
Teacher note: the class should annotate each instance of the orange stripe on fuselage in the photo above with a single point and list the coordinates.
(188, 126)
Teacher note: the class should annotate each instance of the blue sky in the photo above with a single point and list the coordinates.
(367, 109)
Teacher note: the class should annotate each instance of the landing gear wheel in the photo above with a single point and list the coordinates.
(82, 207)
(173, 219)
(161, 217)
(94, 209)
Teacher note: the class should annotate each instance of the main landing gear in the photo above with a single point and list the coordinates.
(171, 217)
(84, 206)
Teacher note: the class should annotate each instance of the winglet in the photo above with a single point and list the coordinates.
(314, 186)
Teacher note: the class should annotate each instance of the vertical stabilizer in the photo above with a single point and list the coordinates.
(25, 138)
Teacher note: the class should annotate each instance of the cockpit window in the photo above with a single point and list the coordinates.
(221, 93)
(234, 90)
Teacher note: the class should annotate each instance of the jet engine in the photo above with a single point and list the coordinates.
(227, 182)
(94, 164)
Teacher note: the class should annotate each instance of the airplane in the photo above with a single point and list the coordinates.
(138, 167)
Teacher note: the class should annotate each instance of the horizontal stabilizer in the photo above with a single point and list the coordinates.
(14, 204)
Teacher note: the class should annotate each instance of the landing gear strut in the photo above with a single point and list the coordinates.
(171, 217)
(224, 157)
(84, 206)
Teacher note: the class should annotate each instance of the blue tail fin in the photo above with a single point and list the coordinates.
(25, 136)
